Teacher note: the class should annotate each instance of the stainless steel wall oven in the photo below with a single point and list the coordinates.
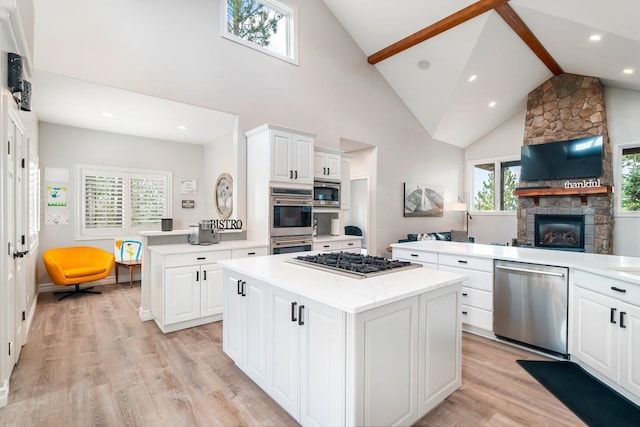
(291, 212)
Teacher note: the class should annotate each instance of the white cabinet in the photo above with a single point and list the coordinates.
(291, 157)
(245, 324)
(428, 259)
(410, 346)
(326, 246)
(339, 245)
(326, 165)
(186, 289)
(345, 182)
(477, 290)
(606, 328)
(305, 358)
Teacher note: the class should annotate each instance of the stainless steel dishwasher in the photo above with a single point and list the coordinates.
(530, 304)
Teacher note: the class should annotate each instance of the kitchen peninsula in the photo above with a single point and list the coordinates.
(336, 350)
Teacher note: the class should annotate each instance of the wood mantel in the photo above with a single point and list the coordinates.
(583, 192)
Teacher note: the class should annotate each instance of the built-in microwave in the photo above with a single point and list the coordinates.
(326, 194)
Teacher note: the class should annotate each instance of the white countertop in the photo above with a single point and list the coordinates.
(185, 248)
(329, 238)
(150, 233)
(619, 267)
(344, 293)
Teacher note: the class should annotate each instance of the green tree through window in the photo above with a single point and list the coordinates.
(252, 21)
(631, 179)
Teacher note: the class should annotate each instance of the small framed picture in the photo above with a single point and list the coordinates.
(188, 204)
(189, 186)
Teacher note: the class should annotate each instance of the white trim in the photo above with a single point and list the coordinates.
(291, 11)
(617, 180)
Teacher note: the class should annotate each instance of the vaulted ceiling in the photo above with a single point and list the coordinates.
(509, 57)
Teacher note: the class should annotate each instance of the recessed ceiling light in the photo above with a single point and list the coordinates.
(628, 71)
(107, 115)
(595, 37)
(182, 127)
(472, 78)
(492, 104)
(423, 64)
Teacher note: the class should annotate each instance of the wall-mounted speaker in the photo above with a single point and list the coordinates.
(14, 80)
(25, 102)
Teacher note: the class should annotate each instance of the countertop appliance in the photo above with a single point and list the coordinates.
(203, 233)
(353, 265)
(291, 212)
(530, 305)
(326, 194)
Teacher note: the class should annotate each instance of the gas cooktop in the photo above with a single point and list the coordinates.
(353, 265)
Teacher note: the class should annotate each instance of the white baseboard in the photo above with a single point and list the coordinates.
(50, 287)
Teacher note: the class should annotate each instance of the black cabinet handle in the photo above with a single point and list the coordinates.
(622, 291)
(415, 255)
(204, 275)
(296, 174)
(291, 174)
(293, 311)
(612, 316)
(324, 171)
(243, 288)
(238, 289)
(197, 276)
(328, 171)
(464, 312)
(251, 253)
(301, 315)
(464, 294)
(200, 258)
(461, 261)
(326, 246)
(349, 244)
(622, 314)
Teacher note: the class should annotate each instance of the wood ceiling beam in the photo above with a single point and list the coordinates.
(517, 24)
(463, 15)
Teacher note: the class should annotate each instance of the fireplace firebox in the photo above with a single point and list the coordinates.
(564, 232)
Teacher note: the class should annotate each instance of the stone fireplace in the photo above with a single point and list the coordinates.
(568, 107)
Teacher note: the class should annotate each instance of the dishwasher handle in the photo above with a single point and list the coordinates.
(526, 270)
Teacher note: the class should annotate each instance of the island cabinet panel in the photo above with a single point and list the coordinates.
(244, 328)
(387, 364)
(630, 350)
(305, 358)
(440, 347)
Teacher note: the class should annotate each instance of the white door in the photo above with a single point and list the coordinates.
(255, 331)
(283, 349)
(182, 294)
(281, 169)
(232, 325)
(322, 365)
(11, 314)
(211, 298)
(20, 237)
(596, 337)
(303, 159)
(630, 348)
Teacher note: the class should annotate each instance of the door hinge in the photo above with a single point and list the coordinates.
(23, 239)
(24, 315)
(23, 163)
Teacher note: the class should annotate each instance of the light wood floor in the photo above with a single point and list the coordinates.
(90, 361)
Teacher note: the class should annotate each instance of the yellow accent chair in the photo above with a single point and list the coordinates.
(75, 265)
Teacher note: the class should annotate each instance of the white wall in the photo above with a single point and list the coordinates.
(623, 111)
(334, 92)
(64, 147)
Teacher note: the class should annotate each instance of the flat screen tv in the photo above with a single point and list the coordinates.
(576, 158)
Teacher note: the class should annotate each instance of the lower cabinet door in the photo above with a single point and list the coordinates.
(232, 326)
(440, 346)
(211, 300)
(387, 364)
(283, 349)
(322, 365)
(181, 294)
(630, 348)
(255, 331)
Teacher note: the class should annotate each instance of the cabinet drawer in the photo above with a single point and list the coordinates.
(477, 298)
(349, 244)
(473, 263)
(195, 258)
(475, 279)
(247, 252)
(325, 246)
(618, 289)
(416, 256)
(477, 317)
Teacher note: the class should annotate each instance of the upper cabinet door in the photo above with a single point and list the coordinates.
(303, 159)
(281, 155)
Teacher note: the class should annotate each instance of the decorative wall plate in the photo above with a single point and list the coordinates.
(224, 195)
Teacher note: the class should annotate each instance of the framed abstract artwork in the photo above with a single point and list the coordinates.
(423, 200)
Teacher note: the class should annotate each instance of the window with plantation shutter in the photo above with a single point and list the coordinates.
(116, 201)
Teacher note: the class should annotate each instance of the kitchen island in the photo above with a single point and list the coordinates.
(335, 350)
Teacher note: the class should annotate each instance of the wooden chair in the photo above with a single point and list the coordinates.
(75, 265)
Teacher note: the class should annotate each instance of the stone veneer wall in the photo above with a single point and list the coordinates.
(569, 107)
